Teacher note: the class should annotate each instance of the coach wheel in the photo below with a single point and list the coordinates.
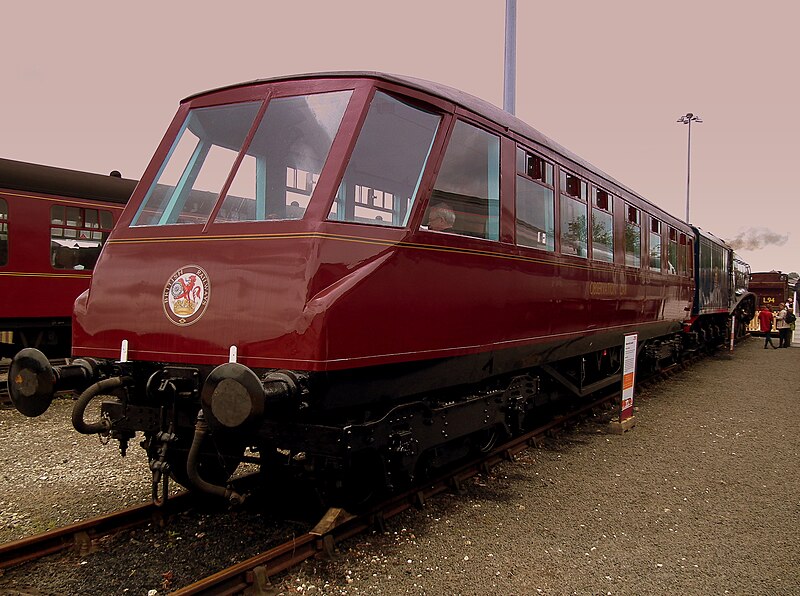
(484, 441)
(362, 482)
(215, 466)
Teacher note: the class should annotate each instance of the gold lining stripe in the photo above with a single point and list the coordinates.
(64, 200)
(362, 240)
(455, 351)
(86, 275)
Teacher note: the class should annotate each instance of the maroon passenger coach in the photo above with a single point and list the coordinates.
(53, 223)
(370, 273)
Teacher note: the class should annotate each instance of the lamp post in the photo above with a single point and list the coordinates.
(510, 67)
(688, 119)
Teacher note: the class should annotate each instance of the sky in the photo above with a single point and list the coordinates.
(92, 85)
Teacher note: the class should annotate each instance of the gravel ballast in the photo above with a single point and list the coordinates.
(702, 496)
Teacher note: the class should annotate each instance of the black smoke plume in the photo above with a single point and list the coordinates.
(755, 238)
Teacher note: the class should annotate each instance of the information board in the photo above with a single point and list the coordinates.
(628, 376)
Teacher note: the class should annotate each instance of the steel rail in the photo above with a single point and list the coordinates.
(82, 533)
(254, 573)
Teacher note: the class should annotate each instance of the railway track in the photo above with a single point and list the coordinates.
(81, 534)
(253, 575)
(336, 526)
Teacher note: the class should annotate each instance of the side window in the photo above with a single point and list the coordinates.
(77, 235)
(682, 255)
(655, 244)
(467, 187)
(633, 237)
(381, 182)
(535, 226)
(602, 226)
(3, 232)
(574, 195)
(689, 257)
(672, 252)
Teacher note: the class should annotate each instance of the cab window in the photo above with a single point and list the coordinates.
(266, 166)
(281, 165)
(535, 226)
(197, 166)
(383, 175)
(468, 185)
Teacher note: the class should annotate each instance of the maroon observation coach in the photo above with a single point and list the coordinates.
(362, 276)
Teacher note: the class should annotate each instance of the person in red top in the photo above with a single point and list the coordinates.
(765, 321)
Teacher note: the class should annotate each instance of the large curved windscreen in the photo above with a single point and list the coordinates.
(280, 165)
(384, 172)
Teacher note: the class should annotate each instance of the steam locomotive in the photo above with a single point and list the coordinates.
(281, 280)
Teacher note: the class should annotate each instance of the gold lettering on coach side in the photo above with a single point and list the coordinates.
(603, 288)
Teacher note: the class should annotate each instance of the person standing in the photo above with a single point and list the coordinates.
(765, 324)
(783, 327)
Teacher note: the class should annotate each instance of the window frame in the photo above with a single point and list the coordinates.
(582, 196)
(5, 218)
(354, 135)
(655, 229)
(448, 129)
(609, 209)
(546, 166)
(637, 222)
(103, 230)
(673, 239)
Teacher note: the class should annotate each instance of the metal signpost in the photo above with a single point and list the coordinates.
(626, 418)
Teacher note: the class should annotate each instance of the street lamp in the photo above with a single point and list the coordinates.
(510, 66)
(688, 119)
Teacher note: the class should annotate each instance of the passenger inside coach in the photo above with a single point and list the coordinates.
(441, 218)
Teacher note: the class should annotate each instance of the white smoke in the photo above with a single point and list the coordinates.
(756, 238)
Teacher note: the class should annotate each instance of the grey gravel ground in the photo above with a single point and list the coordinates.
(701, 497)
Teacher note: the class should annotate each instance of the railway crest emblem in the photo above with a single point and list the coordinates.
(186, 295)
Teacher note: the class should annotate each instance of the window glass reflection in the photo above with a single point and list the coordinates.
(382, 178)
(602, 226)
(283, 162)
(573, 227)
(468, 183)
(75, 242)
(197, 165)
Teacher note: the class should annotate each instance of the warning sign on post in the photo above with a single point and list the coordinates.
(628, 376)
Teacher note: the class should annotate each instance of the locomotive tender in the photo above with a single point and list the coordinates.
(282, 280)
(53, 223)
